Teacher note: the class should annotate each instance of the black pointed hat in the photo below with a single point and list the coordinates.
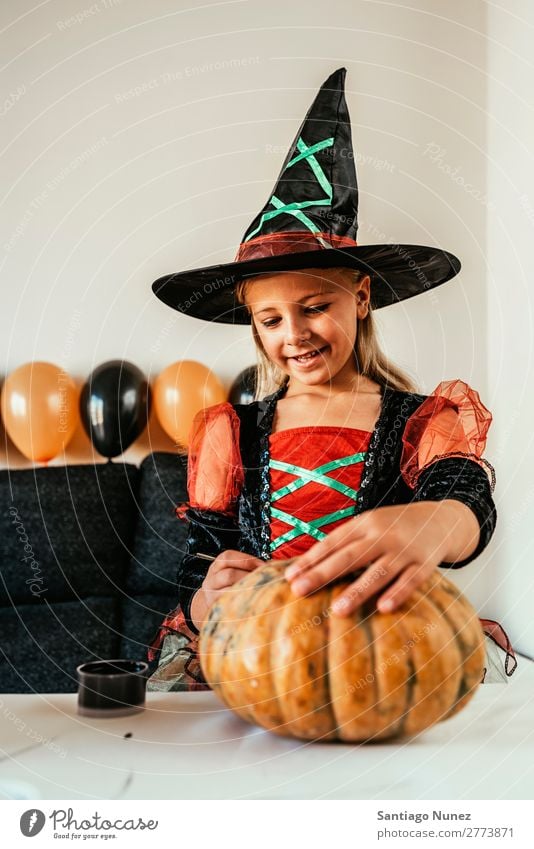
(310, 221)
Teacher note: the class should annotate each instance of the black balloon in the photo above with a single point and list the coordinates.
(114, 406)
(244, 386)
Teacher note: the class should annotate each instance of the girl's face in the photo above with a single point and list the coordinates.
(314, 310)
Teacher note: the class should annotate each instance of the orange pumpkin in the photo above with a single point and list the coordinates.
(289, 665)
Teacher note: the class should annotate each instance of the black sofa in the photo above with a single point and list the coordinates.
(88, 561)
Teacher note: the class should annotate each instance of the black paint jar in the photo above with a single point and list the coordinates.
(109, 688)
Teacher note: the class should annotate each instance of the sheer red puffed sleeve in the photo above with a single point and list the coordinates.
(215, 473)
(451, 422)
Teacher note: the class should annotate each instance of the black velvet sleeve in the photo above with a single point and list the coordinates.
(210, 532)
(466, 481)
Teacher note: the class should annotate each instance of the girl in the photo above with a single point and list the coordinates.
(338, 463)
(330, 403)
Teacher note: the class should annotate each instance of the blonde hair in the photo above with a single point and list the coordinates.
(370, 359)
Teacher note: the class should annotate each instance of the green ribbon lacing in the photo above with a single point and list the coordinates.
(305, 476)
(295, 208)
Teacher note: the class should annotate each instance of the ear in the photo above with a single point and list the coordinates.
(363, 296)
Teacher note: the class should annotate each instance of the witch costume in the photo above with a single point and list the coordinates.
(272, 495)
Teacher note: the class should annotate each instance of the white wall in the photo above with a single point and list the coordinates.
(138, 140)
(509, 275)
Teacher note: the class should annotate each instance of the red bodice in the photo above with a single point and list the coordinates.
(315, 455)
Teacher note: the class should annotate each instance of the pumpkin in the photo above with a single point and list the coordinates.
(289, 665)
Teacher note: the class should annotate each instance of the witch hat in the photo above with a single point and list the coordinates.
(310, 221)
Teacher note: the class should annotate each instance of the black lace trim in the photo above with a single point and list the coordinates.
(375, 452)
(265, 425)
(462, 454)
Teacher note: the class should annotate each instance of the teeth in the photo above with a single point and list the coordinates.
(307, 356)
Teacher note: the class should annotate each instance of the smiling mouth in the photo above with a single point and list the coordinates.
(311, 355)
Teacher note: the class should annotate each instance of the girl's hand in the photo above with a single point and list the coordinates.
(226, 570)
(405, 541)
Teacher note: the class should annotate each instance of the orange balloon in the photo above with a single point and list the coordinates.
(179, 392)
(40, 409)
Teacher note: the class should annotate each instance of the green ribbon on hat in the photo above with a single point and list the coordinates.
(296, 207)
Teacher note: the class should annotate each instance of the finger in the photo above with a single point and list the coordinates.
(249, 564)
(360, 528)
(237, 560)
(353, 556)
(227, 577)
(375, 577)
(410, 579)
(336, 540)
(335, 566)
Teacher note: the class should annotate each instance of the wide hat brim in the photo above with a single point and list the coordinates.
(397, 272)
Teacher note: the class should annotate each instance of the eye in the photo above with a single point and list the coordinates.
(318, 308)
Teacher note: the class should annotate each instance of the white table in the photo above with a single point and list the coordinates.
(187, 745)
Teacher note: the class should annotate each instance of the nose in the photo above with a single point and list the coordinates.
(297, 331)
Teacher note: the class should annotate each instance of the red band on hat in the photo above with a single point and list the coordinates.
(290, 242)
